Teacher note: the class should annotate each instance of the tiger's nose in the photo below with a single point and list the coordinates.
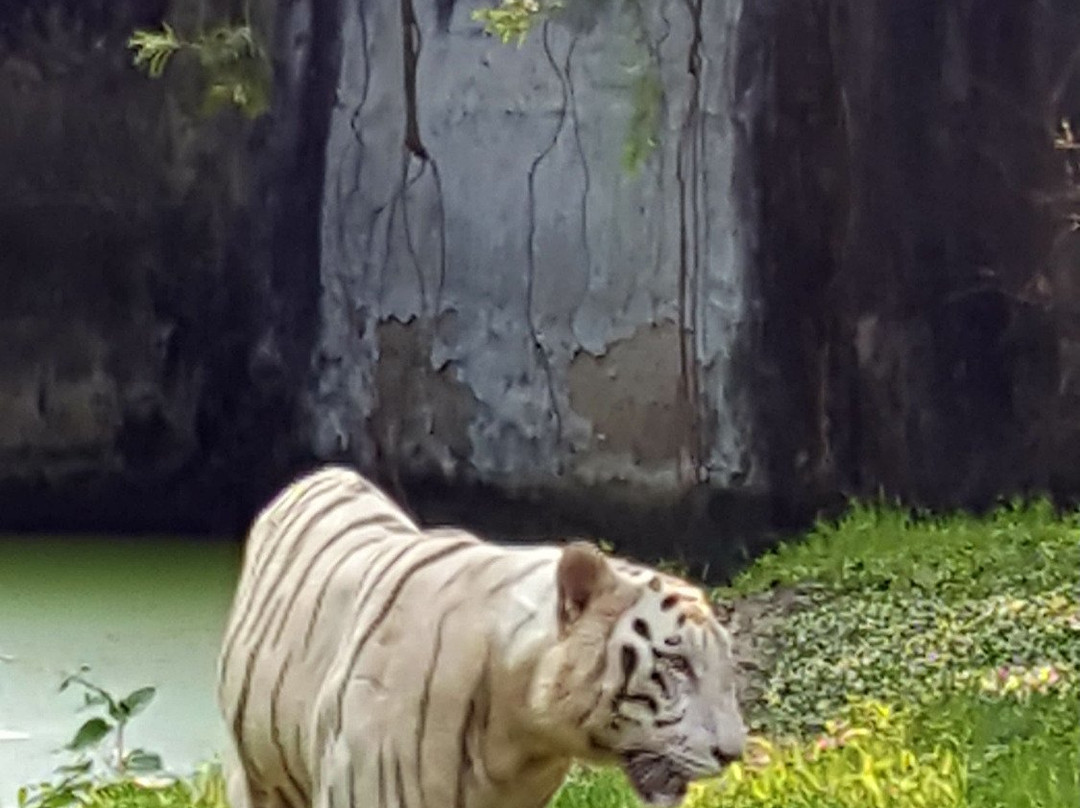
(728, 744)
(724, 758)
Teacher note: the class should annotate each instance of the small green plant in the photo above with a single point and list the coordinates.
(595, 787)
(98, 740)
(234, 63)
(513, 19)
(642, 135)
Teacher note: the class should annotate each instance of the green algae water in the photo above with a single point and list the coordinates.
(139, 611)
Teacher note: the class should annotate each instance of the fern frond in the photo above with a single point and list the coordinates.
(154, 48)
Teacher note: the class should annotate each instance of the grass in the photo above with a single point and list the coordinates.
(931, 661)
(1018, 753)
(1021, 548)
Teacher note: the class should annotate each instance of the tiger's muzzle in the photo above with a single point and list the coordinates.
(663, 780)
(658, 780)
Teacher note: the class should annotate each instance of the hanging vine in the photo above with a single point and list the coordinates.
(513, 20)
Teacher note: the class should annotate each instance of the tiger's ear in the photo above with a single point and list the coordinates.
(583, 573)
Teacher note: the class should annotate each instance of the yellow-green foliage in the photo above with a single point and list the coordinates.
(512, 20)
(868, 759)
(908, 648)
(971, 623)
(205, 789)
(235, 67)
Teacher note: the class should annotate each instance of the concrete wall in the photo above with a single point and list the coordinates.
(846, 268)
(501, 299)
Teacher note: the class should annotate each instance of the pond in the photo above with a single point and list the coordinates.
(145, 611)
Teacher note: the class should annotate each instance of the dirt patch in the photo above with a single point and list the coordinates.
(751, 620)
(631, 396)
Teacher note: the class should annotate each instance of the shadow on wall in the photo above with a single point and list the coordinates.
(918, 275)
(911, 317)
(149, 370)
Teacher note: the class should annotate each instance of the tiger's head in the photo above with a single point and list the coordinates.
(642, 674)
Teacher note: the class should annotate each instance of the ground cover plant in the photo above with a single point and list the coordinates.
(890, 659)
(967, 627)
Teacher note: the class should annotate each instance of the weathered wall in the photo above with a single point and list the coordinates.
(917, 274)
(846, 268)
(141, 254)
(502, 301)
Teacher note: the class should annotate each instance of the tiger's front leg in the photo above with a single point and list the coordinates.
(243, 792)
(363, 778)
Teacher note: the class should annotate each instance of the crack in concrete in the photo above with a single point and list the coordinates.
(345, 201)
(403, 204)
(576, 128)
(412, 42)
(653, 48)
(437, 310)
(362, 245)
(690, 254)
(541, 353)
(413, 148)
(412, 45)
(400, 201)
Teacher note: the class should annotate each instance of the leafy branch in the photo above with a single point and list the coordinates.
(232, 59)
(514, 19)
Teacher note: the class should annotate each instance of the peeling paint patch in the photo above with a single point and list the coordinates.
(530, 252)
(631, 396)
(422, 414)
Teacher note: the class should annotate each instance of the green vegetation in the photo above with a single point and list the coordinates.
(927, 661)
(100, 755)
(912, 609)
(967, 627)
(1019, 548)
(512, 20)
(868, 757)
(234, 65)
(205, 789)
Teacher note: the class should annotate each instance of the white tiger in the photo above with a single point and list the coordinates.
(370, 664)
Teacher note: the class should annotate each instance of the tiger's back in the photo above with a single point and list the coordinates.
(317, 623)
(288, 577)
(366, 661)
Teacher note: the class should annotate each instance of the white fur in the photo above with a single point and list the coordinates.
(471, 640)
